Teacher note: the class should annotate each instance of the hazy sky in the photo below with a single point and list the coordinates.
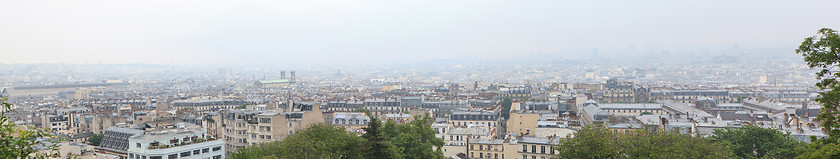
(281, 31)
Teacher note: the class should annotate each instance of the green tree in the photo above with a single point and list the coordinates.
(316, 141)
(823, 52)
(95, 139)
(321, 141)
(20, 141)
(671, 144)
(376, 145)
(415, 139)
(600, 142)
(756, 142)
(819, 149)
(262, 150)
(506, 103)
(362, 109)
(591, 142)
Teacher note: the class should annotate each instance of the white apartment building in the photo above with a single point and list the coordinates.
(182, 142)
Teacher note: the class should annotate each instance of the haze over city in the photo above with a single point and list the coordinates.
(312, 32)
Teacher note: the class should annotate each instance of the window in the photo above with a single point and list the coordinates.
(155, 157)
(185, 154)
(138, 145)
(173, 156)
(551, 149)
(268, 137)
(524, 148)
(534, 149)
(542, 149)
(206, 150)
(217, 148)
(196, 152)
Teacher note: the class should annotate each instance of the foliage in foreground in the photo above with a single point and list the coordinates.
(262, 150)
(823, 52)
(757, 142)
(600, 142)
(317, 141)
(414, 140)
(18, 142)
(383, 140)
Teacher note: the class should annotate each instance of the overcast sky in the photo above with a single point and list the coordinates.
(277, 31)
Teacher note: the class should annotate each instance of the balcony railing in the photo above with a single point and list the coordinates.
(182, 143)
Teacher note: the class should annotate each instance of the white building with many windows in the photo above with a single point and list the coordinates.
(181, 142)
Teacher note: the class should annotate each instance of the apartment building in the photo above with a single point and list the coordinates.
(515, 92)
(632, 109)
(618, 92)
(181, 142)
(489, 148)
(200, 104)
(352, 121)
(537, 147)
(466, 117)
(115, 141)
(242, 128)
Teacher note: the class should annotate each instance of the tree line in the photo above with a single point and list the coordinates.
(744, 142)
(412, 140)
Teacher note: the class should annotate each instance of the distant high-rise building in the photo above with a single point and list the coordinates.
(283, 74)
(292, 74)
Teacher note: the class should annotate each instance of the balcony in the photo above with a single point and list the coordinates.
(157, 145)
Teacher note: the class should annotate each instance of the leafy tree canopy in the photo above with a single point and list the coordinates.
(823, 52)
(20, 141)
(600, 142)
(756, 142)
(316, 141)
(95, 139)
(415, 139)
